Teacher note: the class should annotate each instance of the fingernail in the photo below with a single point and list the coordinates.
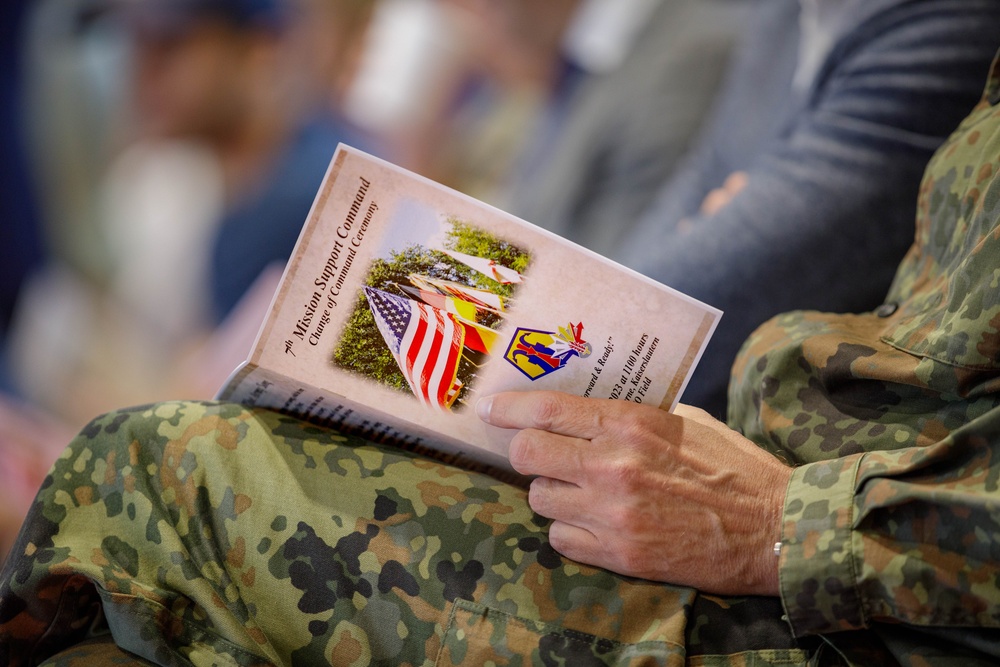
(483, 408)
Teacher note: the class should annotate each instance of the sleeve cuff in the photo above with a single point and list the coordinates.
(818, 567)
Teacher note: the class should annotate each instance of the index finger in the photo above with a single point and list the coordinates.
(552, 411)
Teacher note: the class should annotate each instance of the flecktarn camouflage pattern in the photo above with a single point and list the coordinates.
(219, 535)
(207, 534)
(892, 417)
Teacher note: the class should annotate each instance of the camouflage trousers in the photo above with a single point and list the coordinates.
(208, 534)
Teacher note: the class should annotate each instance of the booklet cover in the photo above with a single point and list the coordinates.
(404, 302)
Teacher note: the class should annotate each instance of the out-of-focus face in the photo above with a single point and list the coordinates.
(506, 34)
(191, 83)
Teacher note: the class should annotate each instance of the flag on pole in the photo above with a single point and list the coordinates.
(426, 343)
(424, 283)
(480, 338)
(477, 337)
(480, 297)
(464, 309)
(487, 267)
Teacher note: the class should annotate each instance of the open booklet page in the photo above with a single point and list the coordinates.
(405, 302)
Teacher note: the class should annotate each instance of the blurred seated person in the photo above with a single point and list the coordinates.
(646, 77)
(533, 118)
(488, 91)
(20, 234)
(235, 124)
(810, 163)
(846, 516)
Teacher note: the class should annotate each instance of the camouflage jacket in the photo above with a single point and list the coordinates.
(892, 517)
(203, 534)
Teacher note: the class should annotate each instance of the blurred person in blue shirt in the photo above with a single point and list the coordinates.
(811, 160)
(232, 122)
(21, 247)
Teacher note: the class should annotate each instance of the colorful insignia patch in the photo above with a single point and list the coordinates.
(537, 353)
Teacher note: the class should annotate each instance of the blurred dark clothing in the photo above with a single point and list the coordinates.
(611, 139)
(21, 242)
(176, 15)
(834, 167)
(261, 229)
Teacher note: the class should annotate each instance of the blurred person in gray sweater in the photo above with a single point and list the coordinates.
(812, 161)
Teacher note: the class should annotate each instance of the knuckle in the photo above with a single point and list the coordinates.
(538, 496)
(633, 561)
(544, 411)
(520, 452)
(635, 429)
(622, 517)
(605, 422)
(559, 541)
(624, 473)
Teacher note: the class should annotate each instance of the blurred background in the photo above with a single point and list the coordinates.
(160, 156)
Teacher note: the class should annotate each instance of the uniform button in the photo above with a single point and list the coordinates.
(886, 309)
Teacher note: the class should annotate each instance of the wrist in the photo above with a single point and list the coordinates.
(770, 549)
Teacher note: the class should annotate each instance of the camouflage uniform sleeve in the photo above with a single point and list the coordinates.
(909, 535)
(892, 516)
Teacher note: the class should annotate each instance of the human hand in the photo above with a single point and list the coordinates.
(676, 497)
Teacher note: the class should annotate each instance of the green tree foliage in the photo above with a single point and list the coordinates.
(363, 350)
(471, 240)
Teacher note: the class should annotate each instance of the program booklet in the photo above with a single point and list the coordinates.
(404, 302)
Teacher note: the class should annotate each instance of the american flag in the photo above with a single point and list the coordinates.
(426, 343)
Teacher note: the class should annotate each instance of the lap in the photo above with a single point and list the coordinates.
(214, 532)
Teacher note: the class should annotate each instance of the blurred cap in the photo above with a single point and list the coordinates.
(172, 16)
